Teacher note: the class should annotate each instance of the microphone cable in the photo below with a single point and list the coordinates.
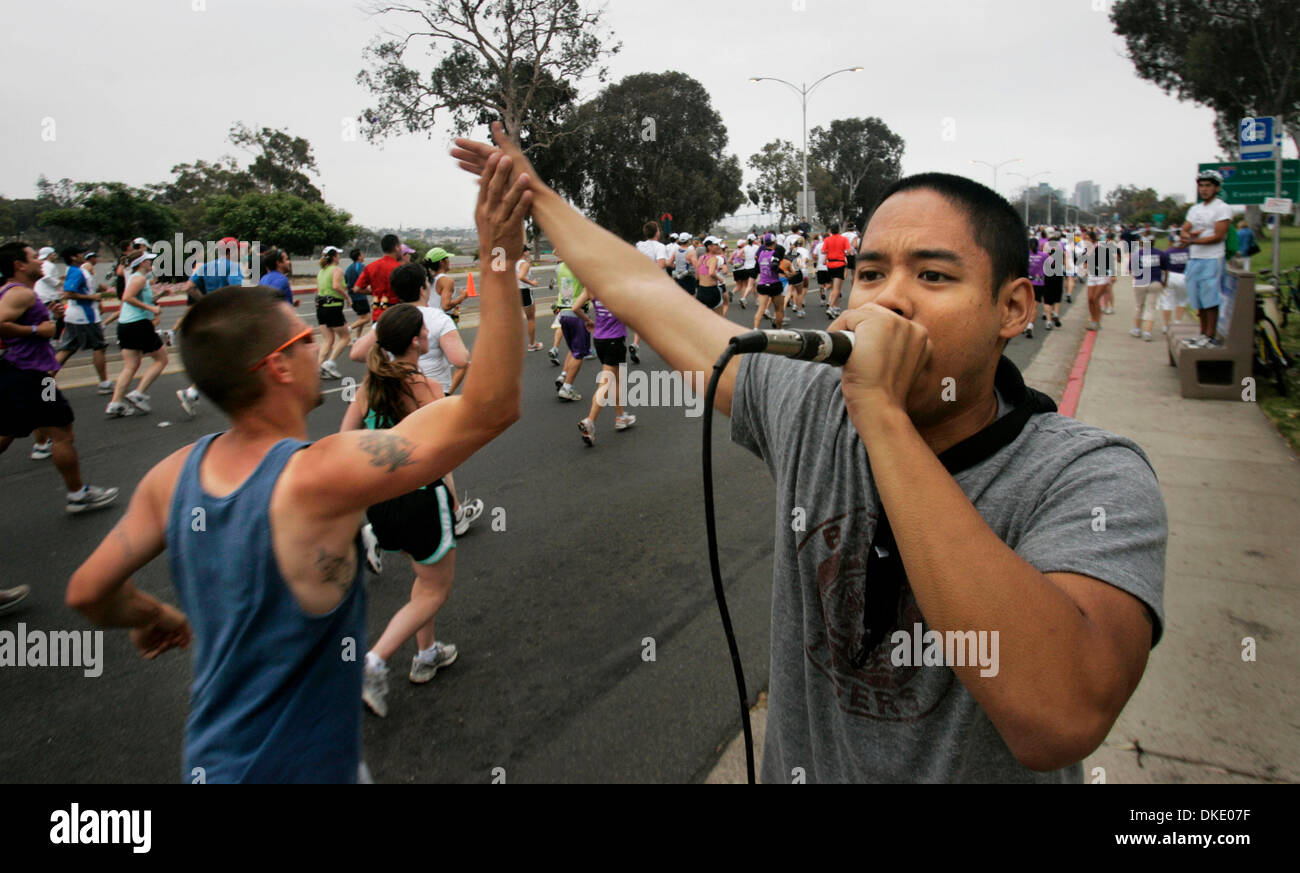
(712, 531)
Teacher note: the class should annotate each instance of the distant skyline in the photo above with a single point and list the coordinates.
(959, 81)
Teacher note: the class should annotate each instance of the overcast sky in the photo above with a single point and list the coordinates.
(152, 83)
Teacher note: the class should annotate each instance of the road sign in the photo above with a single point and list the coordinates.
(1278, 206)
(1249, 183)
(1158, 218)
(1255, 138)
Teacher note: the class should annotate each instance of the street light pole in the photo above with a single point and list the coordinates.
(995, 167)
(1029, 179)
(803, 91)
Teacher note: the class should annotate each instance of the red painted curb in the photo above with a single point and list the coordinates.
(1074, 385)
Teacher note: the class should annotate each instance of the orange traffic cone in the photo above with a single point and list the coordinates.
(472, 291)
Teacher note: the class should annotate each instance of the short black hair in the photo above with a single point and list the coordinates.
(835, 227)
(11, 253)
(995, 224)
(390, 242)
(225, 334)
(355, 254)
(67, 253)
(407, 280)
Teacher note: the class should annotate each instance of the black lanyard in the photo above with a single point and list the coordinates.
(885, 575)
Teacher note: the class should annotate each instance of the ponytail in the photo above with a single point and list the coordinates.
(388, 389)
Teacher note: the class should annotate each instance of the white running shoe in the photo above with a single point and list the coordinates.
(587, 429)
(41, 451)
(118, 410)
(105, 387)
(139, 401)
(425, 667)
(566, 392)
(91, 498)
(467, 514)
(186, 405)
(374, 690)
(623, 422)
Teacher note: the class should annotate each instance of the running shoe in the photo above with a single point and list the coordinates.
(425, 666)
(374, 557)
(1146, 336)
(91, 498)
(12, 598)
(1092, 325)
(631, 353)
(742, 303)
(559, 382)
(118, 410)
(554, 355)
(186, 405)
(325, 373)
(41, 451)
(105, 387)
(1056, 321)
(536, 347)
(587, 429)
(334, 369)
(1029, 330)
(802, 313)
(1048, 325)
(566, 392)
(1069, 298)
(467, 514)
(374, 691)
(624, 421)
(139, 400)
(1135, 332)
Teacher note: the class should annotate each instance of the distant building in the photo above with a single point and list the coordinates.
(1087, 195)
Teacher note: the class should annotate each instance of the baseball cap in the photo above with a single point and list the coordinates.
(684, 237)
(769, 237)
(407, 250)
(751, 238)
(331, 249)
(712, 241)
(147, 256)
(141, 241)
(91, 255)
(436, 254)
(44, 253)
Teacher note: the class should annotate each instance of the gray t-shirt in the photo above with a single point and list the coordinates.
(1044, 494)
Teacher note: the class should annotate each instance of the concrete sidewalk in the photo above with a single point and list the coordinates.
(1232, 492)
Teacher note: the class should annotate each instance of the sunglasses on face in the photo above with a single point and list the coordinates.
(305, 335)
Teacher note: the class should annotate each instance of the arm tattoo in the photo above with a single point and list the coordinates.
(334, 569)
(387, 450)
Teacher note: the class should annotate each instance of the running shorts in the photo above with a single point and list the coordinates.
(823, 277)
(360, 304)
(835, 272)
(1052, 288)
(419, 523)
(330, 316)
(23, 406)
(773, 290)
(138, 336)
(576, 336)
(82, 336)
(612, 352)
(688, 284)
(527, 295)
(797, 278)
(710, 296)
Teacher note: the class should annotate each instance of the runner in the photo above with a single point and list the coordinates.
(684, 263)
(50, 288)
(446, 350)
(276, 269)
(797, 275)
(708, 273)
(360, 302)
(836, 247)
(851, 255)
(1173, 301)
(526, 285)
(750, 268)
(576, 335)
(819, 264)
(1113, 263)
(29, 398)
(272, 582)
(83, 326)
(220, 272)
(1096, 266)
(609, 336)
(137, 336)
(437, 262)
(331, 296)
(418, 523)
(769, 284)
(652, 248)
(1053, 282)
(374, 276)
(1149, 266)
(1037, 259)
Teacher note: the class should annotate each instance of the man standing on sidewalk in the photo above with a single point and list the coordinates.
(29, 398)
(1206, 228)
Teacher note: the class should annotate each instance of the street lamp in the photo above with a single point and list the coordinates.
(1029, 179)
(995, 167)
(803, 91)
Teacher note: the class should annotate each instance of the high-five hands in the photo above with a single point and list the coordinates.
(473, 155)
(502, 206)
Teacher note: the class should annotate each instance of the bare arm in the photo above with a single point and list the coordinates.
(361, 349)
(629, 283)
(453, 347)
(13, 304)
(131, 297)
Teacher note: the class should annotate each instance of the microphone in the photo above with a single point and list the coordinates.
(802, 345)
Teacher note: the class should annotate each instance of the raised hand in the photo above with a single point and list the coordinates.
(473, 155)
(503, 204)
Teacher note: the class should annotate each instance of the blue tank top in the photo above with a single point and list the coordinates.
(273, 699)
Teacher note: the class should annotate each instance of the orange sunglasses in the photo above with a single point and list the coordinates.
(306, 334)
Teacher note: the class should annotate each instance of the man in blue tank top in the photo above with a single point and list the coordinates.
(263, 548)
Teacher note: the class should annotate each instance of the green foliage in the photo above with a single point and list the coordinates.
(281, 163)
(780, 178)
(110, 212)
(280, 219)
(647, 145)
(859, 158)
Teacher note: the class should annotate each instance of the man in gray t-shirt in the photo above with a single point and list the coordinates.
(1037, 565)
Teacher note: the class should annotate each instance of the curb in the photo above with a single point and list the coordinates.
(1074, 385)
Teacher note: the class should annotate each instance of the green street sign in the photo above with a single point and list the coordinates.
(1158, 218)
(1249, 183)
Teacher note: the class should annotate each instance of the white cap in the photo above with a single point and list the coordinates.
(330, 249)
(684, 237)
(750, 238)
(89, 255)
(140, 241)
(44, 253)
(147, 256)
(712, 241)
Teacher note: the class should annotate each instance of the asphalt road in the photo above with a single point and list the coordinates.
(602, 552)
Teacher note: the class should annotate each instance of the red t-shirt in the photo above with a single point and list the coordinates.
(835, 246)
(375, 277)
